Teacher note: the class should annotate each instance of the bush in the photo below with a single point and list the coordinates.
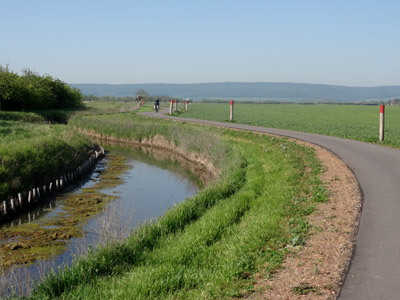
(32, 92)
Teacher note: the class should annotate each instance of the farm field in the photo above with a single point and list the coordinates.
(347, 121)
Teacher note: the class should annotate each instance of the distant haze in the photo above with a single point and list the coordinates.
(246, 90)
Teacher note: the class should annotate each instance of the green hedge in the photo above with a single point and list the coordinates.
(31, 91)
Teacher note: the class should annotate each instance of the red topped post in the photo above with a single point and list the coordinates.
(170, 107)
(231, 114)
(382, 123)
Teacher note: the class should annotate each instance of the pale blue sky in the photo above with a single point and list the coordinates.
(354, 43)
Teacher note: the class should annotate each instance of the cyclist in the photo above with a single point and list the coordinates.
(157, 105)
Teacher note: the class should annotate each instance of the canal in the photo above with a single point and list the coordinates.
(130, 186)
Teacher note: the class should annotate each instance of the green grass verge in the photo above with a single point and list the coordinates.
(348, 121)
(41, 116)
(109, 107)
(209, 246)
(31, 154)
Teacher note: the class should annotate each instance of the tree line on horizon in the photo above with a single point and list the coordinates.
(31, 91)
(148, 98)
(253, 91)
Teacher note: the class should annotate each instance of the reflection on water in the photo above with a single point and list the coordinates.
(53, 205)
(148, 189)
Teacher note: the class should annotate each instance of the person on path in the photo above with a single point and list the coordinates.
(157, 105)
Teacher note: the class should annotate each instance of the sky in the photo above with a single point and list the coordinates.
(351, 43)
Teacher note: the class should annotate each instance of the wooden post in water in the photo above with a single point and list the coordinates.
(231, 114)
(382, 123)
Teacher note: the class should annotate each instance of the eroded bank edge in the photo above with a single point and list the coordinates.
(335, 282)
(198, 163)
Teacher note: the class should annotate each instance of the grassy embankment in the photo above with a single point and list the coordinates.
(102, 107)
(32, 152)
(348, 121)
(208, 246)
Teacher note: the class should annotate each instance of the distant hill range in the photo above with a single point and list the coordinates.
(293, 92)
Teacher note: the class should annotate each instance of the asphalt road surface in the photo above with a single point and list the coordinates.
(375, 269)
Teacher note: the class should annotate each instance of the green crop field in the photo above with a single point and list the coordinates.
(348, 121)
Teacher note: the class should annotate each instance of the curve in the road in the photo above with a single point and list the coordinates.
(374, 272)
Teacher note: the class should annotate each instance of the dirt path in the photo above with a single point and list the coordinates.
(375, 268)
(316, 271)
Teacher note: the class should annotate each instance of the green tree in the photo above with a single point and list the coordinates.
(30, 91)
(143, 93)
(12, 91)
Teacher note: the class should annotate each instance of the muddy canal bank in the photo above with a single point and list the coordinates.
(32, 198)
(158, 146)
(128, 187)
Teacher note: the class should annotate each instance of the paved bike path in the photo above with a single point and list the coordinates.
(375, 269)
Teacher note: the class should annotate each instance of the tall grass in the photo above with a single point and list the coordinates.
(210, 245)
(132, 127)
(32, 154)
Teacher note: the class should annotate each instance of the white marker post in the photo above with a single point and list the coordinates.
(176, 103)
(382, 123)
(187, 102)
(231, 115)
(170, 106)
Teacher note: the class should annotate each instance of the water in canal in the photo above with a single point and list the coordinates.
(129, 186)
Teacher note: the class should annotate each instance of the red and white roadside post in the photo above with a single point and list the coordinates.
(231, 114)
(171, 107)
(176, 103)
(382, 123)
(187, 102)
